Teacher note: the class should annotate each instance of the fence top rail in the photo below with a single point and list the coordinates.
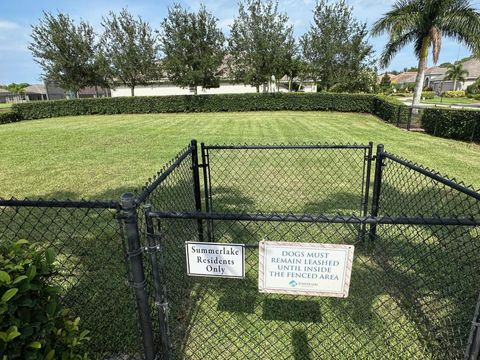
(460, 186)
(286, 146)
(84, 204)
(162, 174)
(339, 219)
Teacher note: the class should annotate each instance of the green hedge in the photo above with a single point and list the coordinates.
(389, 109)
(452, 123)
(9, 117)
(384, 107)
(191, 103)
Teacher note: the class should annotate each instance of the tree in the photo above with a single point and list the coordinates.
(130, 48)
(16, 88)
(65, 51)
(456, 73)
(386, 82)
(193, 46)
(261, 43)
(335, 47)
(424, 22)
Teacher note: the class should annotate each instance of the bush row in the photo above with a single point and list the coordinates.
(454, 94)
(9, 117)
(191, 103)
(452, 123)
(383, 107)
(390, 109)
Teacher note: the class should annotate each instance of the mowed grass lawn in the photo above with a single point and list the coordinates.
(103, 156)
(447, 101)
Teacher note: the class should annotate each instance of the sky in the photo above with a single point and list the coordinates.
(16, 18)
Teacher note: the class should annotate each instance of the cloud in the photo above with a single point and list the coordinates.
(8, 25)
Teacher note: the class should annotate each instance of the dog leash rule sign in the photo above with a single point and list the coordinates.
(305, 268)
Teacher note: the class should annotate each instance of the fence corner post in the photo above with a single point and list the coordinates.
(138, 281)
(377, 182)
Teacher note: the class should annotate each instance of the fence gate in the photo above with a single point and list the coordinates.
(414, 235)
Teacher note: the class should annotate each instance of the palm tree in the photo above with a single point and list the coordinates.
(424, 22)
(456, 73)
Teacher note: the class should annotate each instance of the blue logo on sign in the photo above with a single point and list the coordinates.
(293, 283)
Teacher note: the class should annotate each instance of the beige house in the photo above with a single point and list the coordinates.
(434, 77)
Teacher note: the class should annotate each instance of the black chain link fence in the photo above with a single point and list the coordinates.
(413, 289)
(415, 274)
(90, 259)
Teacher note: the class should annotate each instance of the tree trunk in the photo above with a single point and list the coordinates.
(132, 90)
(290, 85)
(96, 91)
(422, 62)
(258, 88)
(195, 91)
(454, 84)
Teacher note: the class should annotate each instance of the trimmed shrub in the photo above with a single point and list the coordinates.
(33, 323)
(390, 109)
(9, 117)
(452, 123)
(453, 94)
(428, 94)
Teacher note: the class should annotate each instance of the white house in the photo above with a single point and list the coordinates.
(166, 88)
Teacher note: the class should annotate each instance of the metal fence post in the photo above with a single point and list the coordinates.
(368, 159)
(206, 184)
(473, 346)
(377, 182)
(160, 289)
(196, 187)
(410, 115)
(399, 114)
(475, 123)
(134, 254)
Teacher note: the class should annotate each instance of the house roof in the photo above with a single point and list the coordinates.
(473, 68)
(435, 70)
(4, 91)
(404, 77)
(36, 89)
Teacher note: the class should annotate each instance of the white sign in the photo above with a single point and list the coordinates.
(305, 268)
(215, 259)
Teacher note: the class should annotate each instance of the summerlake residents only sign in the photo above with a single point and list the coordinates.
(215, 259)
(305, 268)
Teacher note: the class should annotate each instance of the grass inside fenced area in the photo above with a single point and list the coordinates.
(100, 157)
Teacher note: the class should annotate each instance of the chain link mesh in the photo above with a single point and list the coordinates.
(171, 189)
(408, 192)
(307, 179)
(407, 299)
(91, 266)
